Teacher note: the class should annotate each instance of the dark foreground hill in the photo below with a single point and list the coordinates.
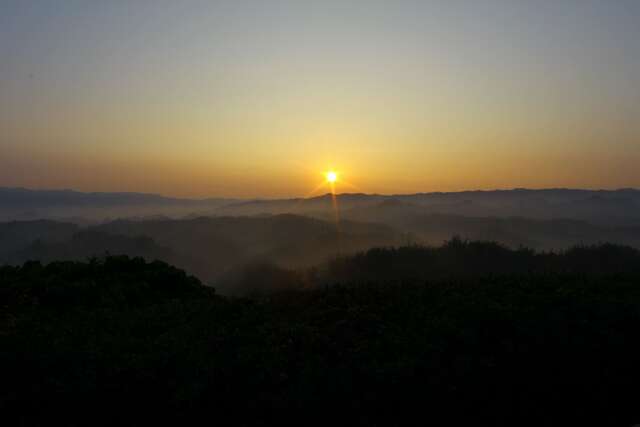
(120, 341)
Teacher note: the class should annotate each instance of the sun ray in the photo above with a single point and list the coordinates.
(350, 185)
(317, 188)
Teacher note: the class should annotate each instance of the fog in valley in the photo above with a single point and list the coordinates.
(241, 246)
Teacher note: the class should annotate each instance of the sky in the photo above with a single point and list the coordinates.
(259, 98)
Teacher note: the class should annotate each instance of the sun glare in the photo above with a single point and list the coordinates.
(331, 177)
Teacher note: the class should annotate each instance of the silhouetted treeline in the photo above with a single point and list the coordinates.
(459, 258)
(125, 342)
(456, 259)
(113, 282)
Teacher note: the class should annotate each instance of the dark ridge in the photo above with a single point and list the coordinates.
(119, 341)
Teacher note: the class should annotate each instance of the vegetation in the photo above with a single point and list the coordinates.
(459, 258)
(213, 249)
(122, 341)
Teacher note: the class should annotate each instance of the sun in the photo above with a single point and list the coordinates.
(331, 176)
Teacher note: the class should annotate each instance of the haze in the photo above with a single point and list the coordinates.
(258, 99)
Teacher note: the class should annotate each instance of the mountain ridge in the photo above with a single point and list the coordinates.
(604, 207)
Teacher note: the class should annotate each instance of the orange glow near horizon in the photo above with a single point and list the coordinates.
(397, 99)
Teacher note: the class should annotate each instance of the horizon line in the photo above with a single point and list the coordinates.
(260, 198)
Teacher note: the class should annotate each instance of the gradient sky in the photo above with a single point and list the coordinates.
(258, 98)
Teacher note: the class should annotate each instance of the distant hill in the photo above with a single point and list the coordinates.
(21, 203)
(209, 247)
(44, 198)
(84, 244)
(227, 242)
(18, 235)
(425, 226)
(602, 207)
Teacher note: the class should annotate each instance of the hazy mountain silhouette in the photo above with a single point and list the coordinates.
(602, 207)
(90, 243)
(17, 235)
(239, 241)
(433, 228)
(207, 247)
(20, 203)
